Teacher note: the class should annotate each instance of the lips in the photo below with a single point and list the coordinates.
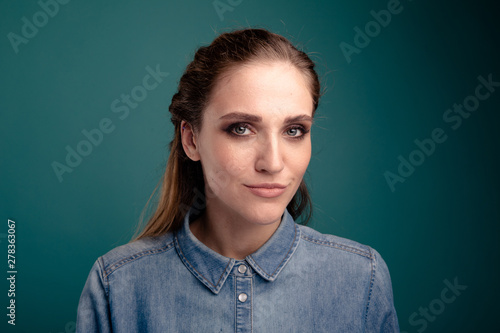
(267, 190)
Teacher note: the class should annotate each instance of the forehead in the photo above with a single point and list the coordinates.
(265, 89)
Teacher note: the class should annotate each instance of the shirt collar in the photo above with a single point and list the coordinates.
(212, 269)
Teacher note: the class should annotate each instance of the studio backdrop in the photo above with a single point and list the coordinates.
(405, 141)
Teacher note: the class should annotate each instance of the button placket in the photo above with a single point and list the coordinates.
(243, 295)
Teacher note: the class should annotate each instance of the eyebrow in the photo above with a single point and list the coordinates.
(256, 119)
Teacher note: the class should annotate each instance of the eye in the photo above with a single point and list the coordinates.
(240, 130)
(295, 131)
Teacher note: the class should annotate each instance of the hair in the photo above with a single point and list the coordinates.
(183, 178)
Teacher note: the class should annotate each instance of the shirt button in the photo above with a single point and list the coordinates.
(242, 297)
(242, 269)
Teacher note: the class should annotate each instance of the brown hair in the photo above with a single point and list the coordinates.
(183, 179)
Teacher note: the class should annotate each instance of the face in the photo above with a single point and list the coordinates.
(254, 144)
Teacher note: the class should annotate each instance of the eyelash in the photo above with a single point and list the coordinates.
(230, 130)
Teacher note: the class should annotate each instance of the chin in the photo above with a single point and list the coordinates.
(265, 214)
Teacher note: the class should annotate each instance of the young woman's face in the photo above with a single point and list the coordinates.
(254, 143)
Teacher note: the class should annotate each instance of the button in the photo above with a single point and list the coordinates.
(242, 297)
(242, 269)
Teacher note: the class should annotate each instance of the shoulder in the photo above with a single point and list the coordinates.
(335, 242)
(359, 269)
(338, 247)
(135, 251)
(347, 258)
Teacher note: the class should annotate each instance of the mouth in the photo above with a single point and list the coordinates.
(267, 190)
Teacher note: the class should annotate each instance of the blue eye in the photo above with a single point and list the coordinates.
(240, 130)
(296, 132)
(293, 131)
(244, 129)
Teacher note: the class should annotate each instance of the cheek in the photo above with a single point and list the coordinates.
(224, 164)
(300, 160)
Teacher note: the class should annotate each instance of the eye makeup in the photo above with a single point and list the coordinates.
(241, 129)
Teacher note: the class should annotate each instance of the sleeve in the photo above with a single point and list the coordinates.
(93, 309)
(380, 312)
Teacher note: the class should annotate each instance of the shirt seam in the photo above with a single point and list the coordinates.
(370, 291)
(251, 305)
(113, 267)
(103, 277)
(235, 298)
(347, 248)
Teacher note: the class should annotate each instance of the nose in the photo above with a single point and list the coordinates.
(270, 156)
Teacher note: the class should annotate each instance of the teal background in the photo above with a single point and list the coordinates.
(441, 223)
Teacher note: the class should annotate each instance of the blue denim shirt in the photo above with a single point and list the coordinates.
(299, 281)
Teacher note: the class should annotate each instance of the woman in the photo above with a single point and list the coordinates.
(222, 252)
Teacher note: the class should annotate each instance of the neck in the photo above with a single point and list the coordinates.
(231, 236)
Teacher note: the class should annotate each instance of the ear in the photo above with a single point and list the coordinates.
(188, 139)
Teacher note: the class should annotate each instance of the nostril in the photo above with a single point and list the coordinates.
(270, 162)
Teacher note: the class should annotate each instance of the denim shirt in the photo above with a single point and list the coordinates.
(299, 281)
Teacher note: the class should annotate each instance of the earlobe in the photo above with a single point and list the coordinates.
(188, 138)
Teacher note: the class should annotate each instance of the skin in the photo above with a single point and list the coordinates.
(255, 131)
